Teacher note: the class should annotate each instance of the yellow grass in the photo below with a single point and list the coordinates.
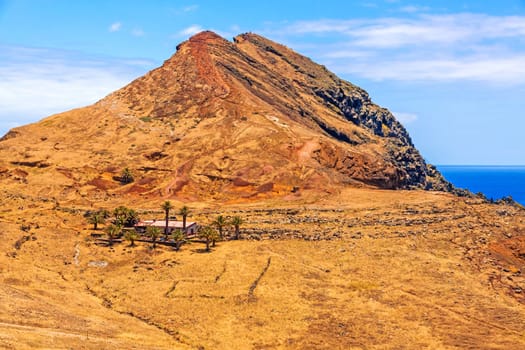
(410, 286)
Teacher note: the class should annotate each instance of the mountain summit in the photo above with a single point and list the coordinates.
(221, 120)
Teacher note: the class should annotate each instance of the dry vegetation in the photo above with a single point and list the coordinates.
(249, 129)
(384, 270)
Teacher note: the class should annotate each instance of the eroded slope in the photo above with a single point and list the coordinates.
(221, 120)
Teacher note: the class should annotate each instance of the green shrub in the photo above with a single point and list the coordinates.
(126, 177)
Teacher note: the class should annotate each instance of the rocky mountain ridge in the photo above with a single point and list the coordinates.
(223, 120)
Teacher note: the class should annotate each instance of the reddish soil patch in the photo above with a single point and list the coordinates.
(241, 182)
(19, 173)
(111, 169)
(102, 184)
(146, 181)
(267, 187)
(136, 188)
(179, 184)
(510, 251)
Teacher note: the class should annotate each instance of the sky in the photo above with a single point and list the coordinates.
(453, 72)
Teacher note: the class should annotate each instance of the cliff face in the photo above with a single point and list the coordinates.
(223, 120)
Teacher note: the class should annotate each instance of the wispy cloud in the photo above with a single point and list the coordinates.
(191, 30)
(424, 47)
(498, 70)
(414, 9)
(405, 118)
(369, 4)
(35, 83)
(425, 29)
(190, 8)
(115, 27)
(138, 32)
(183, 10)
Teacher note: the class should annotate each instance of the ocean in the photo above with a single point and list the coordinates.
(493, 181)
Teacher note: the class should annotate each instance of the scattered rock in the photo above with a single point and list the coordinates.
(100, 263)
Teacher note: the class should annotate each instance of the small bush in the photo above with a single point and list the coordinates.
(126, 177)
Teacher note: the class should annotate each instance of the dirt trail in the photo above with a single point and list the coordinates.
(77, 254)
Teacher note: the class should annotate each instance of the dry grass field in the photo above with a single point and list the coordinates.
(369, 269)
(326, 261)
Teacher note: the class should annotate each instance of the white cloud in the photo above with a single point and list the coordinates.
(414, 9)
(398, 34)
(115, 27)
(347, 53)
(425, 47)
(191, 30)
(190, 8)
(35, 83)
(137, 32)
(183, 10)
(405, 118)
(321, 27)
(369, 5)
(423, 30)
(498, 70)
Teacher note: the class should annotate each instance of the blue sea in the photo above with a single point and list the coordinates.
(493, 181)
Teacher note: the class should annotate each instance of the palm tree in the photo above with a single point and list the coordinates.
(105, 213)
(209, 235)
(132, 218)
(120, 213)
(178, 238)
(96, 218)
(113, 231)
(220, 222)
(237, 222)
(184, 212)
(131, 236)
(153, 233)
(126, 177)
(167, 206)
(125, 216)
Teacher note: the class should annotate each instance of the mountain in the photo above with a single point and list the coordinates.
(221, 120)
(327, 258)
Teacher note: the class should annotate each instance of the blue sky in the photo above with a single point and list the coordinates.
(452, 71)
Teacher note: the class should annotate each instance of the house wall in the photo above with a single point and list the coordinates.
(189, 229)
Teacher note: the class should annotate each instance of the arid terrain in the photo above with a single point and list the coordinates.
(350, 239)
(383, 270)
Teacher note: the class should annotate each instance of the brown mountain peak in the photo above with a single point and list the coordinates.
(256, 39)
(206, 36)
(247, 36)
(224, 120)
(203, 39)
